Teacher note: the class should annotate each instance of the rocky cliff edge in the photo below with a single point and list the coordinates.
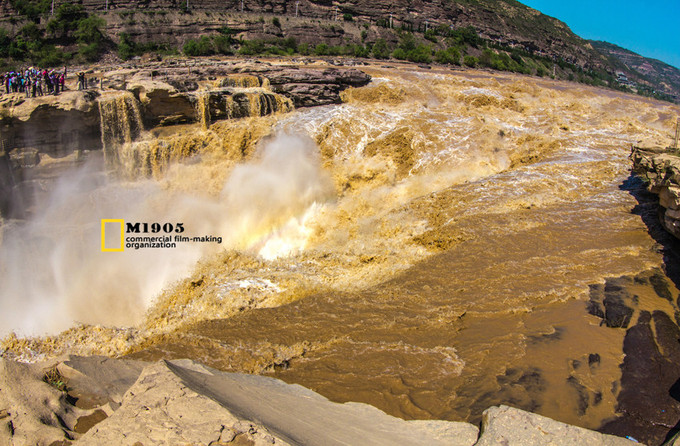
(97, 400)
(660, 168)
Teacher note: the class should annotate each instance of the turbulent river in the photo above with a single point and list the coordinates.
(426, 247)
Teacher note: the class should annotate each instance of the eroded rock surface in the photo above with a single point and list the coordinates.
(182, 402)
(661, 170)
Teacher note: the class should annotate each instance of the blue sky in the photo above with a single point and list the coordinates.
(650, 28)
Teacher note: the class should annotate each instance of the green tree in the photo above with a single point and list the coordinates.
(89, 30)
(421, 54)
(222, 44)
(66, 19)
(5, 42)
(448, 56)
(407, 42)
(321, 49)
(126, 47)
(380, 49)
(30, 31)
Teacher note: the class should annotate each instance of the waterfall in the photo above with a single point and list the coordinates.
(203, 109)
(121, 123)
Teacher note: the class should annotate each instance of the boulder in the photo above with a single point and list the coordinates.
(508, 426)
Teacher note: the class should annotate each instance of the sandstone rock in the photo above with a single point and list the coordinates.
(181, 401)
(57, 125)
(308, 87)
(669, 197)
(99, 379)
(508, 426)
(33, 411)
(661, 170)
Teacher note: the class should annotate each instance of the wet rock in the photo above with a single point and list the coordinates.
(661, 287)
(522, 388)
(593, 360)
(617, 313)
(583, 396)
(648, 408)
(612, 302)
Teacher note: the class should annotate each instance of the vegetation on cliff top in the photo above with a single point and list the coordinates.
(72, 34)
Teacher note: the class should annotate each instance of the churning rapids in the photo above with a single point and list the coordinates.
(425, 247)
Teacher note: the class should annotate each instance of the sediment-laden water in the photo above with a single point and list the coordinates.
(426, 247)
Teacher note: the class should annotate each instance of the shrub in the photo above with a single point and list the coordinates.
(380, 49)
(251, 47)
(276, 22)
(448, 56)
(222, 44)
(126, 47)
(431, 35)
(407, 42)
(201, 47)
(347, 17)
(89, 30)
(470, 61)
(399, 53)
(321, 49)
(421, 54)
(89, 52)
(303, 49)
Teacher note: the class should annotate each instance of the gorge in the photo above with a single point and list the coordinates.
(431, 242)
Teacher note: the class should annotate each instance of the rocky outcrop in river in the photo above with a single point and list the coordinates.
(660, 168)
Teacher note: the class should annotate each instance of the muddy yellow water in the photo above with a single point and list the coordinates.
(435, 258)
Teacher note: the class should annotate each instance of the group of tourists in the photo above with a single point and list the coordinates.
(35, 82)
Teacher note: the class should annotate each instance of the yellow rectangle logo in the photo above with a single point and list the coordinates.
(113, 235)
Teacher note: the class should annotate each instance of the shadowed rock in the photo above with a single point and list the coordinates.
(646, 406)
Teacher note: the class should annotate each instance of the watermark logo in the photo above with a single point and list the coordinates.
(118, 235)
(113, 235)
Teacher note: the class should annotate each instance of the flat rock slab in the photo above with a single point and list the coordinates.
(181, 401)
(508, 426)
(100, 379)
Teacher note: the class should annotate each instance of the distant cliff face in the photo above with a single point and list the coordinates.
(504, 21)
(655, 72)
